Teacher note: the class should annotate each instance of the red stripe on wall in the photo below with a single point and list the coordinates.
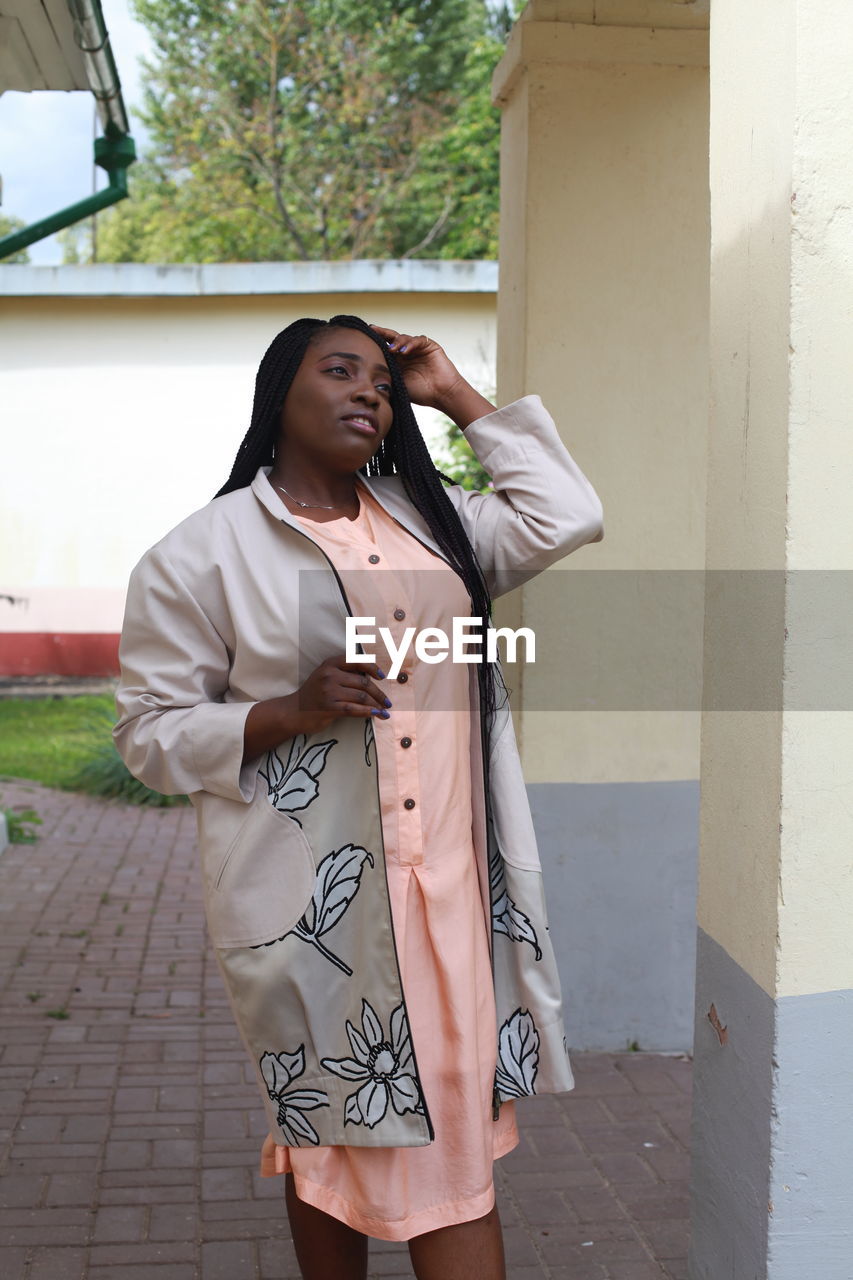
(70, 653)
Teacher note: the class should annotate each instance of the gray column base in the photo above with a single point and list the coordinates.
(619, 861)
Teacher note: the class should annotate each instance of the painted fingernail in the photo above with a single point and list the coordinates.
(385, 714)
(388, 702)
(380, 675)
(402, 349)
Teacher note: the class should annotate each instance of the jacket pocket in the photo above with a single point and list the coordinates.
(264, 882)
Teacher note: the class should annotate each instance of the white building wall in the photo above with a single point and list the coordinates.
(126, 390)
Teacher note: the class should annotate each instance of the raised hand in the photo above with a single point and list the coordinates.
(429, 373)
(432, 379)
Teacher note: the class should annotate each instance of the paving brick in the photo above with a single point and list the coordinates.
(226, 1260)
(38, 1129)
(582, 1269)
(145, 1253)
(148, 1195)
(652, 1207)
(127, 1155)
(57, 1264)
(278, 1259)
(71, 1189)
(13, 1262)
(119, 1223)
(53, 1233)
(390, 1264)
(177, 1098)
(172, 1153)
(162, 1174)
(667, 1240)
(157, 1271)
(634, 1271)
(520, 1248)
(173, 1222)
(156, 1178)
(226, 1184)
(22, 1192)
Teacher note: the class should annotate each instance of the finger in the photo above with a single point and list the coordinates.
(411, 345)
(401, 342)
(366, 692)
(370, 667)
(386, 333)
(357, 709)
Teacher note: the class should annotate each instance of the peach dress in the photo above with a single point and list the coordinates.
(395, 1193)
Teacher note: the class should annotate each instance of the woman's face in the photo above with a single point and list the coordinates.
(338, 407)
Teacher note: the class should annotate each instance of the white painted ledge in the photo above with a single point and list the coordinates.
(149, 280)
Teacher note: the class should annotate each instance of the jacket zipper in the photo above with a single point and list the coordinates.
(427, 1116)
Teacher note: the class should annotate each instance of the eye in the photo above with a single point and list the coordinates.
(337, 368)
(385, 387)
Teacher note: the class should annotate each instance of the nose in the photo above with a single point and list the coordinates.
(365, 391)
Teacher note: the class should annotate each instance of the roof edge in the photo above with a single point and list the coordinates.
(152, 280)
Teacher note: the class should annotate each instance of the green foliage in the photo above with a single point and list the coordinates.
(332, 129)
(67, 743)
(7, 226)
(77, 242)
(456, 459)
(19, 825)
(48, 739)
(106, 774)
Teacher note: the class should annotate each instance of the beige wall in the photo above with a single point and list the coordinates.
(777, 814)
(603, 311)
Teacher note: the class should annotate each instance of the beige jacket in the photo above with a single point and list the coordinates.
(239, 604)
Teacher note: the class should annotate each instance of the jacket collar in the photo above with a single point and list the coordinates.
(387, 490)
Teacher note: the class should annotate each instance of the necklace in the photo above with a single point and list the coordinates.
(320, 505)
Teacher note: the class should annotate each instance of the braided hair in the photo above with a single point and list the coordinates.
(402, 451)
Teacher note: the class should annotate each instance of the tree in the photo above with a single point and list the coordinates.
(316, 129)
(456, 459)
(7, 226)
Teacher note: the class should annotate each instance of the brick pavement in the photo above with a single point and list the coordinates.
(131, 1126)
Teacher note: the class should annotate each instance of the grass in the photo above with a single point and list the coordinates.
(49, 740)
(20, 825)
(66, 743)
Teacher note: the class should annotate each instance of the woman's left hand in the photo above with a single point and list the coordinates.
(431, 377)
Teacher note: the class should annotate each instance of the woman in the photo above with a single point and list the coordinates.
(371, 880)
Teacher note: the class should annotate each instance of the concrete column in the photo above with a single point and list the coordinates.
(602, 310)
(773, 1087)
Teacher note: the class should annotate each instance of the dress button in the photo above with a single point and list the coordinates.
(405, 742)
(373, 559)
(399, 614)
(402, 678)
(408, 804)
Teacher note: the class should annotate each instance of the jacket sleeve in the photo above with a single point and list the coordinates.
(542, 508)
(175, 732)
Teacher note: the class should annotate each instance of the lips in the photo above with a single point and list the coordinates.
(363, 422)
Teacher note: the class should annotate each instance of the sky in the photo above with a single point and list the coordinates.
(46, 138)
